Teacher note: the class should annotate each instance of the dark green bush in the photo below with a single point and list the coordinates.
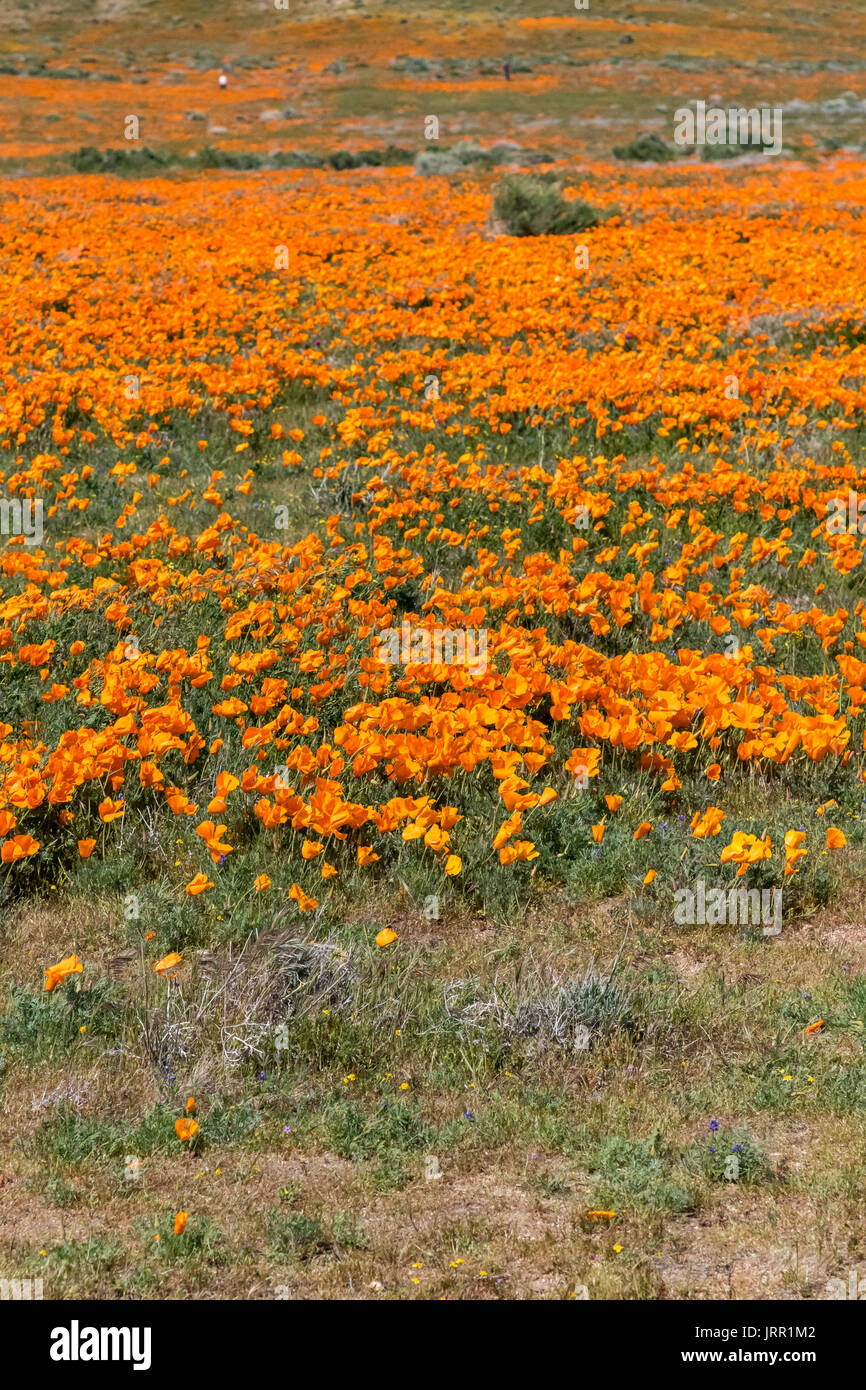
(530, 207)
(733, 151)
(645, 147)
(89, 160)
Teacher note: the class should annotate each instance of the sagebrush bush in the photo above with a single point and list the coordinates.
(645, 148)
(549, 1012)
(532, 207)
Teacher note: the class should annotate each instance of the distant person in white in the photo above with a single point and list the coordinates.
(224, 82)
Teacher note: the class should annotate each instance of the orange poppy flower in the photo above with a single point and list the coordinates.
(707, 823)
(71, 965)
(436, 838)
(225, 783)
(385, 937)
(212, 836)
(198, 885)
(793, 851)
(305, 904)
(745, 850)
(507, 829)
(180, 1221)
(18, 848)
(167, 963)
(86, 848)
(520, 851)
(185, 1129)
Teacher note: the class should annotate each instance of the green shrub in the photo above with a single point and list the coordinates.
(347, 1234)
(731, 1156)
(530, 207)
(297, 1235)
(641, 1173)
(89, 160)
(733, 151)
(645, 148)
(709, 152)
(392, 154)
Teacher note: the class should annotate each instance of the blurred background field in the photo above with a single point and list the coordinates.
(321, 75)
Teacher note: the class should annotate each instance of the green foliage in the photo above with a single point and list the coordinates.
(200, 1240)
(394, 1126)
(67, 1138)
(648, 147)
(295, 1234)
(78, 1257)
(347, 1233)
(730, 1156)
(134, 160)
(49, 1024)
(531, 207)
(89, 160)
(641, 1174)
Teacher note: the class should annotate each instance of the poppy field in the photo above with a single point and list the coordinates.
(432, 687)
